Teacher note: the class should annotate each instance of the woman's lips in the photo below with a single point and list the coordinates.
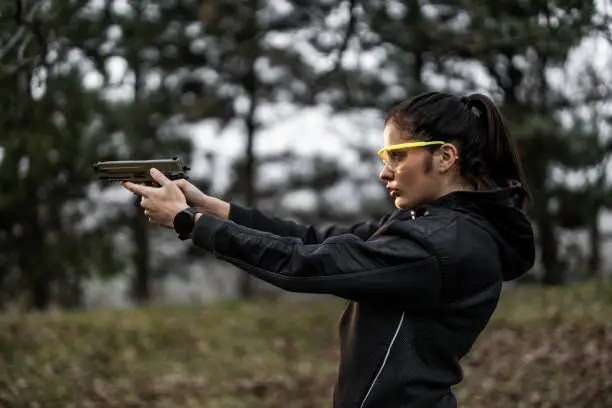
(393, 192)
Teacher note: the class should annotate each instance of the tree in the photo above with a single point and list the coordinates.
(50, 139)
(153, 40)
(250, 64)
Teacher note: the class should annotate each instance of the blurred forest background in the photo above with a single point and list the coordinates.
(279, 105)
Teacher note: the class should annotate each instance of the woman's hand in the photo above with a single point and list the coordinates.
(195, 197)
(161, 204)
(203, 202)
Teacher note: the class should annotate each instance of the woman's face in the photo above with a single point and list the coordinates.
(411, 176)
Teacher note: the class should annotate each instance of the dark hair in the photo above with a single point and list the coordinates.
(488, 154)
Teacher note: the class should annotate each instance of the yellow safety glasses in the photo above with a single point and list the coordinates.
(393, 155)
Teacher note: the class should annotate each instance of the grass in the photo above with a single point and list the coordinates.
(545, 347)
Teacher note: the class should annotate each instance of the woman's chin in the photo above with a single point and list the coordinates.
(402, 203)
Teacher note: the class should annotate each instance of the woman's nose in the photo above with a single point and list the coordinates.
(385, 174)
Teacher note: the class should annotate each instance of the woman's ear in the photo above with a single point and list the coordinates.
(448, 156)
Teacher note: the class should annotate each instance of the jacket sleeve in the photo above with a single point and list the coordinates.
(396, 267)
(256, 219)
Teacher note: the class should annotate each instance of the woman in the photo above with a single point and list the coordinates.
(424, 281)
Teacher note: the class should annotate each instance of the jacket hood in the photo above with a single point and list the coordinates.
(508, 224)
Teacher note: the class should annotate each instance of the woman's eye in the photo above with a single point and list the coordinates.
(397, 156)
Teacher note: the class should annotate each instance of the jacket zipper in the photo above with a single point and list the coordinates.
(399, 325)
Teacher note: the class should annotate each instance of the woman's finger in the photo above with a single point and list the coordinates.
(137, 188)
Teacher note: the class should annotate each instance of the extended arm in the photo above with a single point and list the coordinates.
(256, 219)
(395, 267)
(308, 234)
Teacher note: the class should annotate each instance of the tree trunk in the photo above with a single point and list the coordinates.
(594, 263)
(141, 280)
(415, 19)
(41, 294)
(40, 286)
(141, 291)
(37, 273)
(553, 270)
(245, 283)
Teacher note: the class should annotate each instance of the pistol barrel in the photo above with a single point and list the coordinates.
(138, 171)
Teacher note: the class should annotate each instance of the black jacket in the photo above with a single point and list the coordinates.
(421, 285)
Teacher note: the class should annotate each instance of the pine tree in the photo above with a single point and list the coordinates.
(50, 139)
(251, 63)
(154, 40)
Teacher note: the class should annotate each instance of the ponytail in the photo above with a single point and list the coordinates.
(500, 151)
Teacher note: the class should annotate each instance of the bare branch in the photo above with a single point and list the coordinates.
(27, 31)
(350, 30)
(348, 34)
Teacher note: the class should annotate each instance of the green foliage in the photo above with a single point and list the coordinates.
(53, 139)
(43, 176)
(544, 347)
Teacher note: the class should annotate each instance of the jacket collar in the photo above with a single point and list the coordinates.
(512, 196)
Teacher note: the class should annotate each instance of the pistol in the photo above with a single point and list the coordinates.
(138, 171)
